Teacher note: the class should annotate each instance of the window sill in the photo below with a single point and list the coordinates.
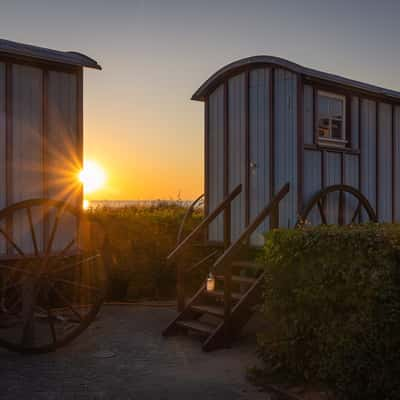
(328, 142)
(339, 149)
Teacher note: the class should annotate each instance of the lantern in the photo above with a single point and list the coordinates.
(210, 284)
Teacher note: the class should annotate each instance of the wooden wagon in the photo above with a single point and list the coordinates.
(284, 145)
(52, 279)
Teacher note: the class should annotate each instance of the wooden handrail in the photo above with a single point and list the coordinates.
(206, 221)
(187, 214)
(231, 250)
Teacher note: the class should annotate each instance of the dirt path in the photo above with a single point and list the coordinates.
(123, 356)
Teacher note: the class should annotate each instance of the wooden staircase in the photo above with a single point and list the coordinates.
(217, 316)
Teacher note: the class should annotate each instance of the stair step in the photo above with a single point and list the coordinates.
(239, 279)
(247, 264)
(197, 326)
(207, 309)
(220, 293)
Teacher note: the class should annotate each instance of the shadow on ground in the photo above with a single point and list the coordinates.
(123, 356)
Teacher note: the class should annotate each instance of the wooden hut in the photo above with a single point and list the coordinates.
(41, 126)
(284, 145)
(269, 121)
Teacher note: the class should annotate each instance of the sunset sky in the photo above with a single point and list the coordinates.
(140, 124)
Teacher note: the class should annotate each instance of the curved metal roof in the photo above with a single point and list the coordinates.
(41, 53)
(218, 76)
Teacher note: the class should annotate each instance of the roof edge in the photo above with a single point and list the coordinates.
(202, 92)
(11, 48)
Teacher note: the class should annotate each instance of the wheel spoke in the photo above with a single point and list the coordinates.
(356, 212)
(32, 229)
(322, 212)
(50, 318)
(53, 231)
(16, 269)
(69, 266)
(76, 284)
(66, 248)
(65, 301)
(13, 244)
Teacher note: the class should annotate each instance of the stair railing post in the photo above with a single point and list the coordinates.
(274, 218)
(227, 275)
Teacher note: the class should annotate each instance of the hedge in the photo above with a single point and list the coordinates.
(332, 301)
(140, 240)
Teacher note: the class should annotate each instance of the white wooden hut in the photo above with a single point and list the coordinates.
(41, 125)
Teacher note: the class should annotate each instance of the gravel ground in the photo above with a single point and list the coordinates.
(123, 356)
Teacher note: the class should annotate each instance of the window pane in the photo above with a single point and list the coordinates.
(337, 126)
(330, 116)
(323, 127)
(323, 106)
(336, 108)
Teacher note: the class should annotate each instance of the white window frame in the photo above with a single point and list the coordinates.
(330, 141)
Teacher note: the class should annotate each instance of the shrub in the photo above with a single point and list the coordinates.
(140, 240)
(332, 300)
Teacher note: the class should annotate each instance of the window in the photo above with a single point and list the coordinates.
(331, 119)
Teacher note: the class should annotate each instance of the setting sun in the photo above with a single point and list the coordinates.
(92, 177)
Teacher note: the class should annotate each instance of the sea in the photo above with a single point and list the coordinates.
(138, 203)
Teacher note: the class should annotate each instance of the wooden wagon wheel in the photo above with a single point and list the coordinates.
(319, 201)
(52, 277)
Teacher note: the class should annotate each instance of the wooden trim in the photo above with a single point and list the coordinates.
(315, 115)
(300, 142)
(274, 217)
(323, 156)
(226, 138)
(321, 83)
(206, 155)
(9, 134)
(393, 110)
(42, 64)
(377, 160)
(349, 121)
(360, 129)
(247, 146)
(79, 105)
(9, 148)
(45, 160)
(345, 150)
(348, 91)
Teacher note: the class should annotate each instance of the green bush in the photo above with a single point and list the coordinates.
(140, 240)
(332, 300)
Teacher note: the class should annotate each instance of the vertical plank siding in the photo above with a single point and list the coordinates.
(63, 160)
(385, 163)
(216, 151)
(3, 144)
(333, 176)
(312, 181)
(237, 151)
(259, 127)
(351, 178)
(396, 163)
(368, 151)
(285, 143)
(27, 128)
(39, 132)
(269, 122)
